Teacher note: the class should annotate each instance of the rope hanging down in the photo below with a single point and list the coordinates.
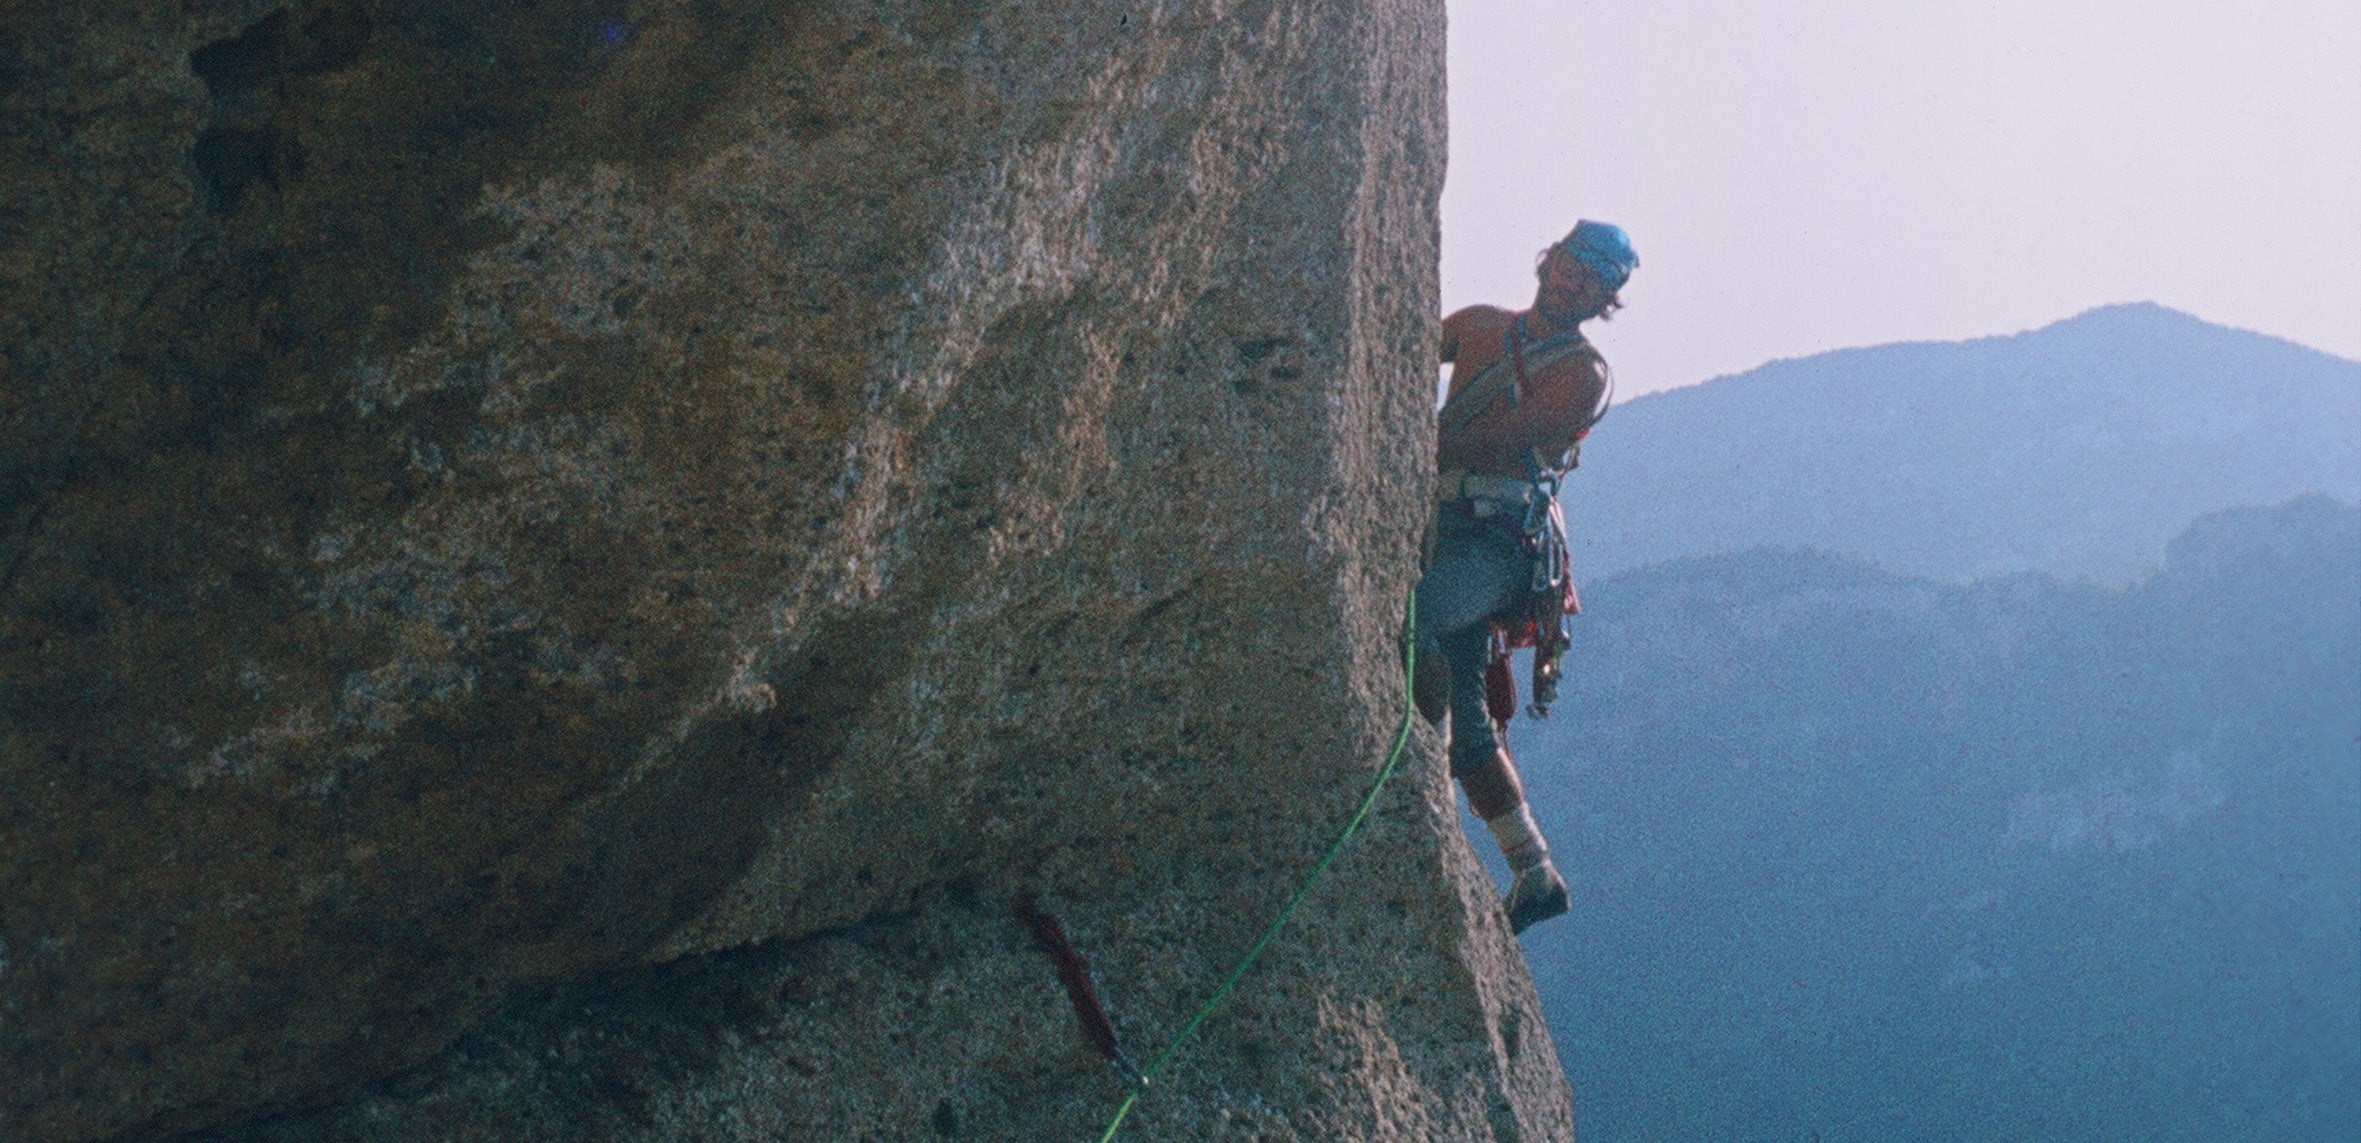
(1368, 801)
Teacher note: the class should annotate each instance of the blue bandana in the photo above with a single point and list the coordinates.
(1603, 247)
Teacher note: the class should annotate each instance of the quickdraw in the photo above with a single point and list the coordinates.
(1075, 972)
(1537, 621)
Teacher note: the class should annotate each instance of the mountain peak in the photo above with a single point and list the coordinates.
(2149, 321)
(2145, 309)
(2123, 315)
(2076, 449)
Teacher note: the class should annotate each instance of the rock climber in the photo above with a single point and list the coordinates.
(1525, 388)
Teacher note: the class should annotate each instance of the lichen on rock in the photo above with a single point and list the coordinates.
(563, 564)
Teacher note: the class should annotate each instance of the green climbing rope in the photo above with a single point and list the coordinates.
(1368, 801)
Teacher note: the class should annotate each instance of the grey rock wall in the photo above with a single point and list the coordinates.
(563, 562)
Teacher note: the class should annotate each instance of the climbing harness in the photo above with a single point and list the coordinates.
(1368, 801)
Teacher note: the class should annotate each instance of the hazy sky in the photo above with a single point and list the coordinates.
(1817, 174)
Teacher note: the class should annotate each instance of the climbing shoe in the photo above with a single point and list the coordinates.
(1537, 895)
(1430, 687)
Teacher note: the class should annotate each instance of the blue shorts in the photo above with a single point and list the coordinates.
(1478, 571)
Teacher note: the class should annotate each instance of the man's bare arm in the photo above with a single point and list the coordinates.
(1460, 324)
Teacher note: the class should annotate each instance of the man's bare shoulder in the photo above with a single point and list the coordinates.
(1474, 317)
(1472, 327)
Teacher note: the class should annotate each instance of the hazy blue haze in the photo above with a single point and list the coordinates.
(2077, 449)
(1868, 856)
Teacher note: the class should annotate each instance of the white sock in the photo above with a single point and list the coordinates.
(1519, 839)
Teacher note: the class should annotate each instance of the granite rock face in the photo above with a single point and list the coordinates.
(561, 564)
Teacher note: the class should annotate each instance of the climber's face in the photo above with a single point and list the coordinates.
(1570, 291)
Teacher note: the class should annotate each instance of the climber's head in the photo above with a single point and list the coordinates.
(1581, 274)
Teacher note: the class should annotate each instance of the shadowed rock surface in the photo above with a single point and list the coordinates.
(561, 563)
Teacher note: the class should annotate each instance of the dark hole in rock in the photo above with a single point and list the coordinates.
(239, 147)
(236, 68)
(228, 159)
(1251, 352)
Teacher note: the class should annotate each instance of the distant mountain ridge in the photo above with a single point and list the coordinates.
(2076, 449)
(1858, 855)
